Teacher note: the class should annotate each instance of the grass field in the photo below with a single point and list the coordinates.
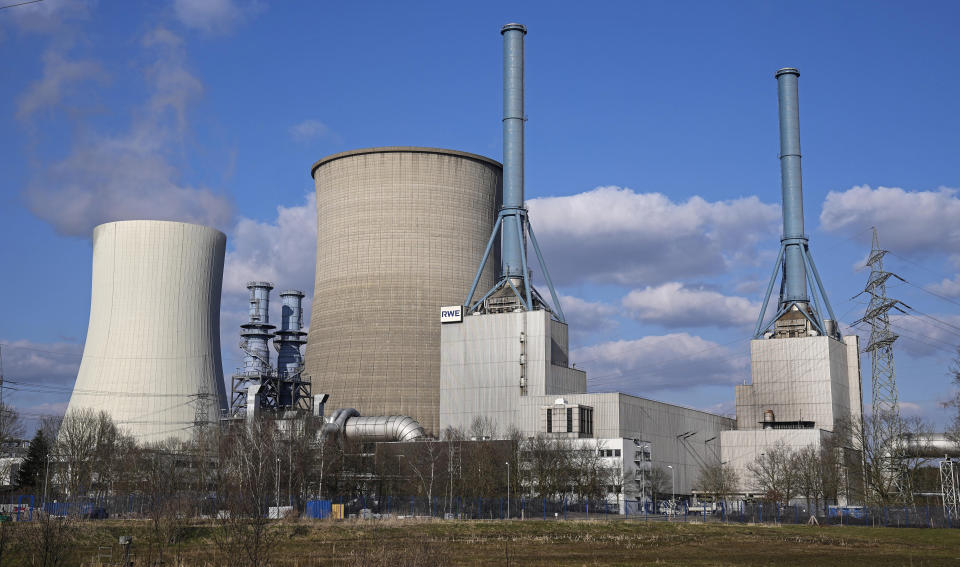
(412, 542)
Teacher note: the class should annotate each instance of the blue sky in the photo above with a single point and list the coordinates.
(652, 174)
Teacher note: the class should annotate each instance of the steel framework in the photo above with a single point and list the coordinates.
(514, 288)
(886, 425)
(794, 263)
(948, 487)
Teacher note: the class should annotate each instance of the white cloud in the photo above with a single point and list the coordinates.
(282, 251)
(310, 129)
(674, 305)
(585, 317)
(908, 221)
(673, 361)
(947, 287)
(60, 75)
(616, 235)
(214, 16)
(923, 336)
(129, 176)
(48, 364)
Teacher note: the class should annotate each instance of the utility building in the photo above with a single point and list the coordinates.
(806, 376)
(504, 350)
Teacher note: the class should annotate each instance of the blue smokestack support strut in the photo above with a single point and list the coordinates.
(794, 263)
(513, 224)
(794, 270)
(513, 118)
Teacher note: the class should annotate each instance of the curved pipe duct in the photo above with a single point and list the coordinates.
(383, 428)
(349, 423)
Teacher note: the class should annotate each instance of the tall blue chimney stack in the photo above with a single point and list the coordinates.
(798, 313)
(513, 291)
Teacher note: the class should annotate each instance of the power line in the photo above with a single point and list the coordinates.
(20, 4)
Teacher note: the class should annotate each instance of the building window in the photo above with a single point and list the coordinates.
(549, 421)
(586, 420)
(616, 452)
(569, 420)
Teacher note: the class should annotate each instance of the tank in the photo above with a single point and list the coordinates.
(400, 230)
(153, 342)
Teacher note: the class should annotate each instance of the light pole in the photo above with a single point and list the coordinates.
(399, 478)
(278, 487)
(46, 475)
(508, 490)
(673, 486)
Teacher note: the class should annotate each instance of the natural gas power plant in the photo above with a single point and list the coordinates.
(425, 317)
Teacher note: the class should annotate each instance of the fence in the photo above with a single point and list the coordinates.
(23, 508)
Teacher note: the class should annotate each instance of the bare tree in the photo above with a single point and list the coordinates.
(953, 431)
(246, 486)
(161, 480)
(77, 447)
(660, 481)
(589, 471)
(11, 428)
(718, 480)
(483, 427)
(774, 473)
(888, 480)
(424, 458)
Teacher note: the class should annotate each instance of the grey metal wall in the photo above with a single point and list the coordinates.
(401, 231)
(153, 342)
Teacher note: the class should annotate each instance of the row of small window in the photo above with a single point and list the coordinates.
(586, 420)
(609, 452)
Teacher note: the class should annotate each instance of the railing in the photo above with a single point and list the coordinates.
(27, 508)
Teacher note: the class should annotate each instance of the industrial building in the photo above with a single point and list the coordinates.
(399, 233)
(258, 385)
(806, 376)
(406, 234)
(505, 355)
(152, 353)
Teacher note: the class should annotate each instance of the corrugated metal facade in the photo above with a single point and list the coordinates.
(401, 232)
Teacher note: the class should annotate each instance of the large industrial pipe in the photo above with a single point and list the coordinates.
(794, 271)
(386, 428)
(383, 428)
(510, 235)
(930, 445)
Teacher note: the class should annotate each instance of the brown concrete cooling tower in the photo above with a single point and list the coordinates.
(401, 231)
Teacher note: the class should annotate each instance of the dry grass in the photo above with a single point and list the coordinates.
(532, 542)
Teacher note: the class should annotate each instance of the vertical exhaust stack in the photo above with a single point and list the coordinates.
(791, 184)
(257, 332)
(798, 312)
(514, 289)
(290, 337)
(513, 248)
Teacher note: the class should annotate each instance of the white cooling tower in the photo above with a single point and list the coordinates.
(152, 353)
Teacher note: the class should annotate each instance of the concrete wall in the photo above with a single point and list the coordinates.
(854, 378)
(484, 359)
(684, 438)
(741, 448)
(153, 341)
(401, 232)
(480, 376)
(800, 379)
